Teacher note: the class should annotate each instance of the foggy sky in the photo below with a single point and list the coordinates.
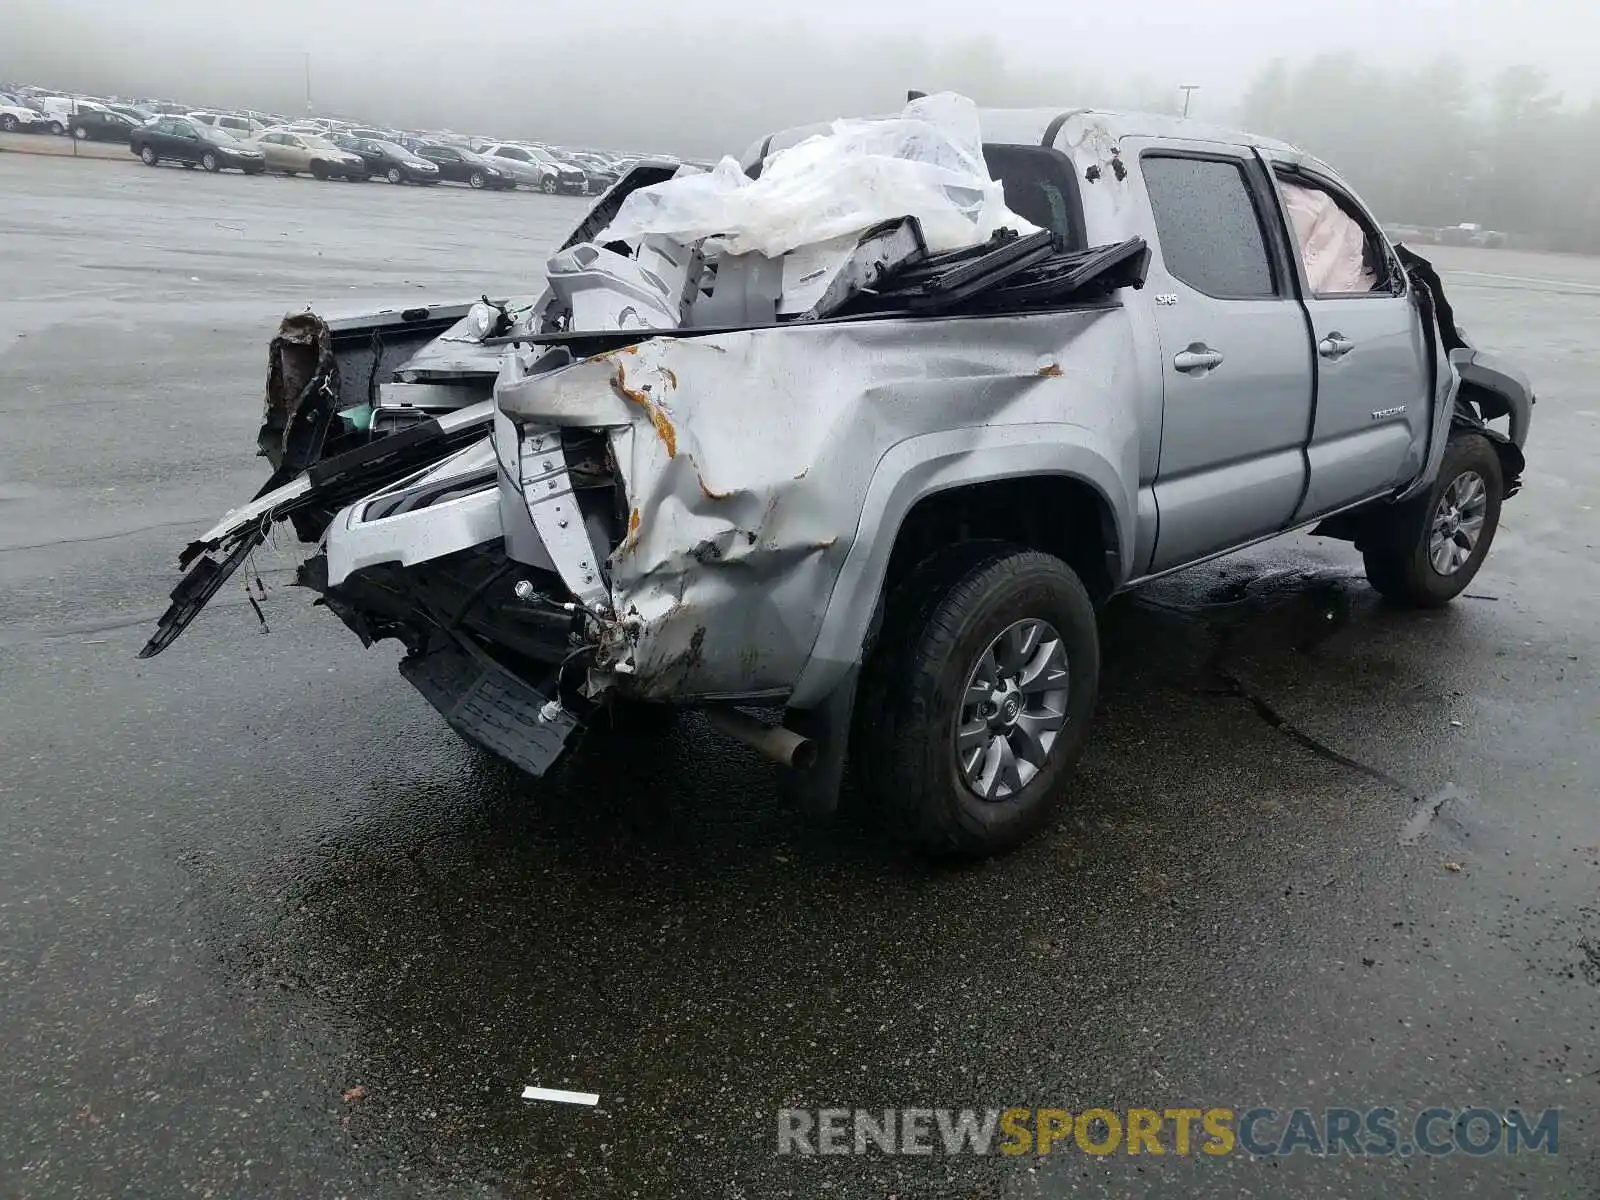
(708, 76)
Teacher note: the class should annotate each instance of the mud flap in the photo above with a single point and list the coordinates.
(492, 708)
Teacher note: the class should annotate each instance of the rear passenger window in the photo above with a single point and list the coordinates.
(1210, 231)
(1040, 186)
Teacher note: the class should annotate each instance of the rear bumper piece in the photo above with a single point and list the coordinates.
(492, 708)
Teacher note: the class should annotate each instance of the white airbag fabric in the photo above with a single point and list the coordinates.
(927, 163)
(1332, 243)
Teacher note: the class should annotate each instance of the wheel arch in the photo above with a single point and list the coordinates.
(1483, 388)
(1074, 504)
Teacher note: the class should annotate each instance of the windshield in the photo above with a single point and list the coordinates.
(395, 150)
(313, 142)
(213, 133)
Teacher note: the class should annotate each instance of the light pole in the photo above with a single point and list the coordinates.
(1188, 90)
(308, 83)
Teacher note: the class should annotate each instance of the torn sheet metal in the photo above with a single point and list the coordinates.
(302, 393)
(745, 459)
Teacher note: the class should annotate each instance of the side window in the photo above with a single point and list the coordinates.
(1341, 253)
(1040, 186)
(1210, 230)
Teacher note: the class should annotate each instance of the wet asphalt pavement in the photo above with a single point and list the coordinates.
(268, 928)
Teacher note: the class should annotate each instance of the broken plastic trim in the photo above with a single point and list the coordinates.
(964, 282)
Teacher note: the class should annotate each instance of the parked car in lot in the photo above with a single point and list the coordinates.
(59, 110)
(463, 166)
(180, 140)
(523, 167)
(241, 127)
(570, 179)
(292, 153)
(137, 113)
(598, 174)
(102, 125)
(388, 160)
(21, 118)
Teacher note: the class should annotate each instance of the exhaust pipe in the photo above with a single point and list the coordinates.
(783, 746)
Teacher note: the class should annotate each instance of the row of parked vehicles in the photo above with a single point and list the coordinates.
(321, 147)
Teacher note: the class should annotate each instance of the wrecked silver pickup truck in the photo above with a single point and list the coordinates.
(874, 480)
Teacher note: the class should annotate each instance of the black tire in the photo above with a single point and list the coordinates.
(549, 185)
(149, 157)
(81, 132)
(1397, 545)
(319, 170)
(8, 123)
(937, 626)
(476, 179)
(209, 161)
(57, 128)
(394, 175)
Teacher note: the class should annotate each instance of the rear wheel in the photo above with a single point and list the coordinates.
(57, 128)
(209, 161)
(8, 123)
(977, 699)
(148, 156)
(81, 132)
(1426, 551)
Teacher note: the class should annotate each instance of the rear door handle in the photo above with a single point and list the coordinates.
(1335, 345)
(1197, 358)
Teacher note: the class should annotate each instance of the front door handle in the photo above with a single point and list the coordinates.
(1197, 358)
(1335, 345)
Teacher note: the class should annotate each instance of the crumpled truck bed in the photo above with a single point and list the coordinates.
(766, 470)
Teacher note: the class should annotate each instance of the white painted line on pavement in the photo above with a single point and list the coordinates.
(1564, 283)
(560, 1097)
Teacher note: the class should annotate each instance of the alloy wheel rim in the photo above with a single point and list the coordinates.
(1458, 523)
(1012, 710)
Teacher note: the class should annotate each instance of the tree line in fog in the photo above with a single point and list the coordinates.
(1439, 144)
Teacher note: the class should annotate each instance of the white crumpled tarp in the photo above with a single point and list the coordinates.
(927, 163)
(1333, 246)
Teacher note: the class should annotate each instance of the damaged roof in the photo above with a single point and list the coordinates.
(1028, 126)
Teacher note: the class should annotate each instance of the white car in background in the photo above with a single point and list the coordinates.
(19, 118)
(240, 127)
(59, 110)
